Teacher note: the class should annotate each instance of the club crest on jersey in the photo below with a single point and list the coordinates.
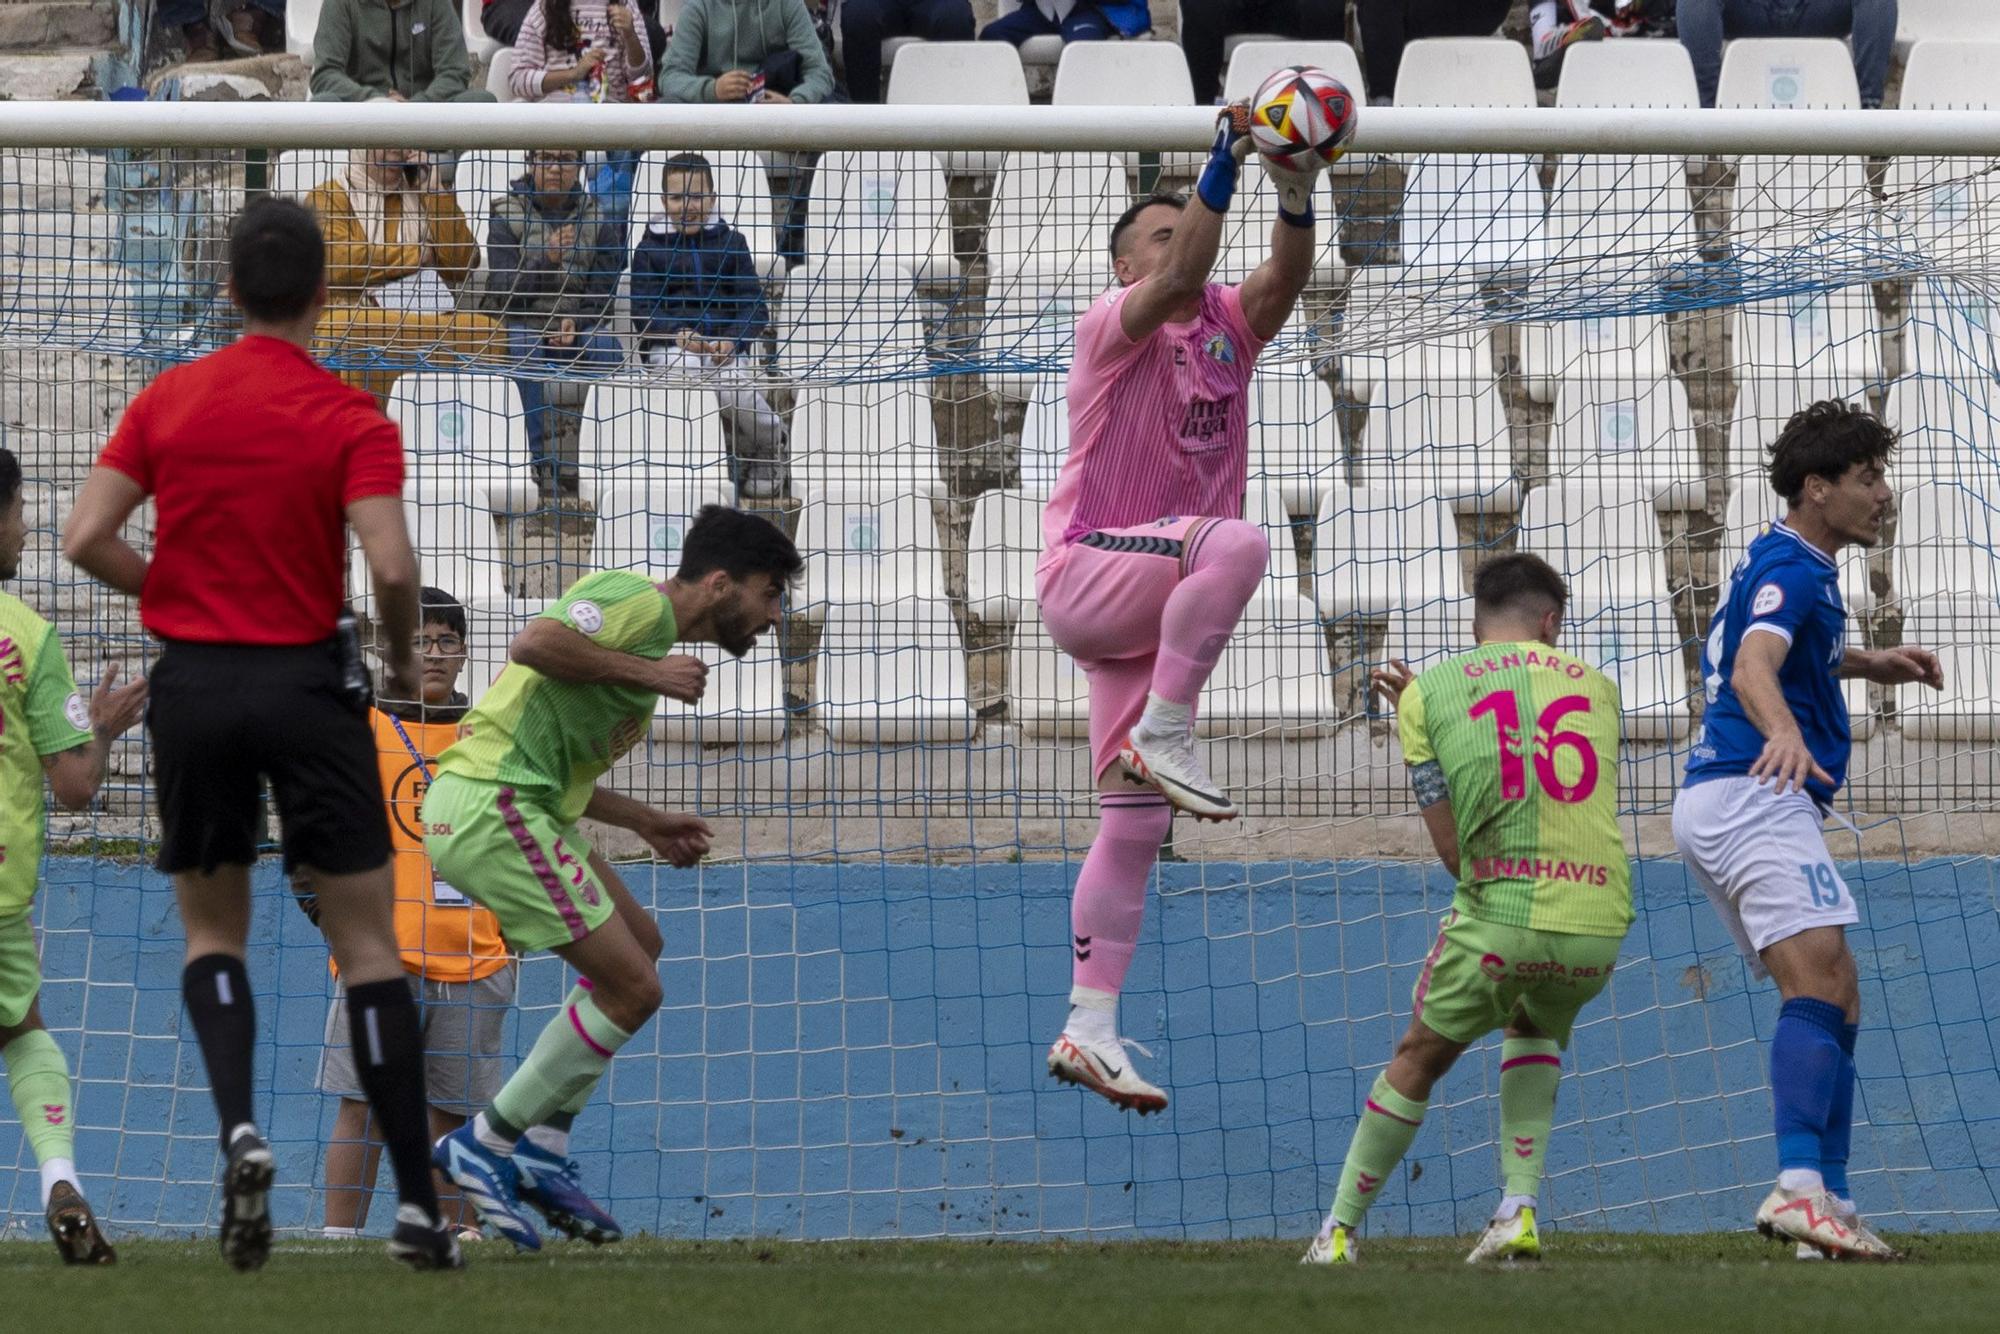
(1769, 598)
(1220, 349)
(589, 617)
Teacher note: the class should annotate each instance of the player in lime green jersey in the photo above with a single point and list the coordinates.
(1512, 750)
(579, 691)
(45, 727)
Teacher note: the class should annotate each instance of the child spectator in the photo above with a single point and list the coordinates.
(698, 306)
(582, 51)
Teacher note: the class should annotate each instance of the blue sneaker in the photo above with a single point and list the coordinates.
(490, 1181)
(550, 1184)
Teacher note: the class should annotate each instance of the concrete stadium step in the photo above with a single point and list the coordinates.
(38, 25)
(49, 75)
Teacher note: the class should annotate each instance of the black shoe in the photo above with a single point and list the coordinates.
(422, 1244)
(74, 1228)
(246, 1200)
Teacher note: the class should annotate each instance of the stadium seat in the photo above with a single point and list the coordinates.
(852, 321)
(1273, 680)
(1831, 335)
(1000, 554)
(1264, 505)
(1052, 215)
(1948, 208)
(1426, 632)
(482, 180)
(985, 74)
(1246, 231)
(457, 544)
(640, 527)
(893, 671)
(743, 191)
(1965, 634)
(301, 24)
(1028, 328)
(1949, 327)
(1446, 437)
(296, 171)
(877, 207)
(868, 436)
(651, 435)
(472, 19)
(863, 547)
(1294, 436)
(1604, 540)
(1127, 74)
(1639, 647)
(1764, 403)
(493, 626)
(1788, 72)
(1593, 349)
(1946, 536)
(1043, 52)
(743, 703)
(500, 75)
(1754, 508)
(1952, 69)
(1382, 552)
(1942, 23)
(1044, 434)
(1639, 435)
(1627, 74)
(1411, 328)
(1949, 432)
(466, 432)
(1469, 216)
(1047, 693)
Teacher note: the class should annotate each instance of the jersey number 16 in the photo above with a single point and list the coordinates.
(1505, 710)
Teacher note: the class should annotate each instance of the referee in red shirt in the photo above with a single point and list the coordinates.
(258, 460)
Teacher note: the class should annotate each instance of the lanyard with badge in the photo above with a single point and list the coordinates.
(443, 894)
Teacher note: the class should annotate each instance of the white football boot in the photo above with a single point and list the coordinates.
(1105, 1069)
(1169, 764)
(1812, 1218)
(1337, 1247)
(1507, 1239)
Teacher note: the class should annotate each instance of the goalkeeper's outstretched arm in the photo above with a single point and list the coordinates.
(1270, 293)
(1167, 291)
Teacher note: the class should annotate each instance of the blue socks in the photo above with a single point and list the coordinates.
(1834, 1143)
(1807, 1063)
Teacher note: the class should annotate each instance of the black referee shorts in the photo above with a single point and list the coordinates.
(224, 717)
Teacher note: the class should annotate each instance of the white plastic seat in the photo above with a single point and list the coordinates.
(1949, 206)
(743, 703)
(1751, 510)
(301, 25)
(865, 437)
(500, 75)
(882, 207)
(493, 624)
(852, 322)
(1947, 541)
(1943, 23)
(1264, 506)
(1604, 541)
(1047, 693)
(1469, 215)
(1052, 216)
(1029, 328)
(1294, 437)
(1788, 72)
(1382, 552)
(481, 181)
(1627, 74)
(1448, 438)
(1273, 679)
(1764, 403)
(464, 432)
(1127, 74)
(743, 194)
(1949, 329)
(1949, 432)
(1246, 231)
(893, 671)
(1044, 435)
(297, 171)
(1042, 52)
(1001, 549)
(457, 544)
(1427, 632)
(651, 435)
(1414, 327)
(641, 527)
(1832, 335)
(983, 74)
(1639, 647)
(1626, 434)
(868, 548)
(1965, 634)
(1593, 349)
(472, 19)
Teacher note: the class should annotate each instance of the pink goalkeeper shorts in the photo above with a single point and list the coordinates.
(1101, 598)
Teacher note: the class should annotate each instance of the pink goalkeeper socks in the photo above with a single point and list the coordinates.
(1110, 900)
(1225, 563)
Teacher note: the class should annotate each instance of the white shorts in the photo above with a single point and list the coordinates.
(1762, 860)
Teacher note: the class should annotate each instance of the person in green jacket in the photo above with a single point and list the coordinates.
(720, 46)
(399, 50)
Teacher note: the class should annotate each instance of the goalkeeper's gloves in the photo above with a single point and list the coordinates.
(1217, 185)
(1295, 187)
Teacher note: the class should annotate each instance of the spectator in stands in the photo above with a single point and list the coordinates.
(730, 50)
(582, 51)
(1207, 24)
(246, 27)
(398, 251)
(451, 947)
(1704, 24)
(698, 306)
(1072, 20)
(553, 256)
(1387, 26)
(1557, 25)
(393, 50)
(866, 24)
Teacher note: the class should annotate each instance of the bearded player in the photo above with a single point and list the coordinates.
(1147, 562)
(1512, 750)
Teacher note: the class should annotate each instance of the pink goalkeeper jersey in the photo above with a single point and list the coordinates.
(1158, 428)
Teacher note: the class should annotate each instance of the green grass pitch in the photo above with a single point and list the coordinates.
(1703, 1284)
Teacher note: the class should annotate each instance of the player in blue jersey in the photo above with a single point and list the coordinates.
(1773, 752)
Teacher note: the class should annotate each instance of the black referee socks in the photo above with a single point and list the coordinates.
(388, 1050)
(216, 988)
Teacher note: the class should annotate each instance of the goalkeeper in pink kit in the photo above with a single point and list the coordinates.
(1147, 563)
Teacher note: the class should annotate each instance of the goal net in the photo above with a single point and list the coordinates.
(1555, 345)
